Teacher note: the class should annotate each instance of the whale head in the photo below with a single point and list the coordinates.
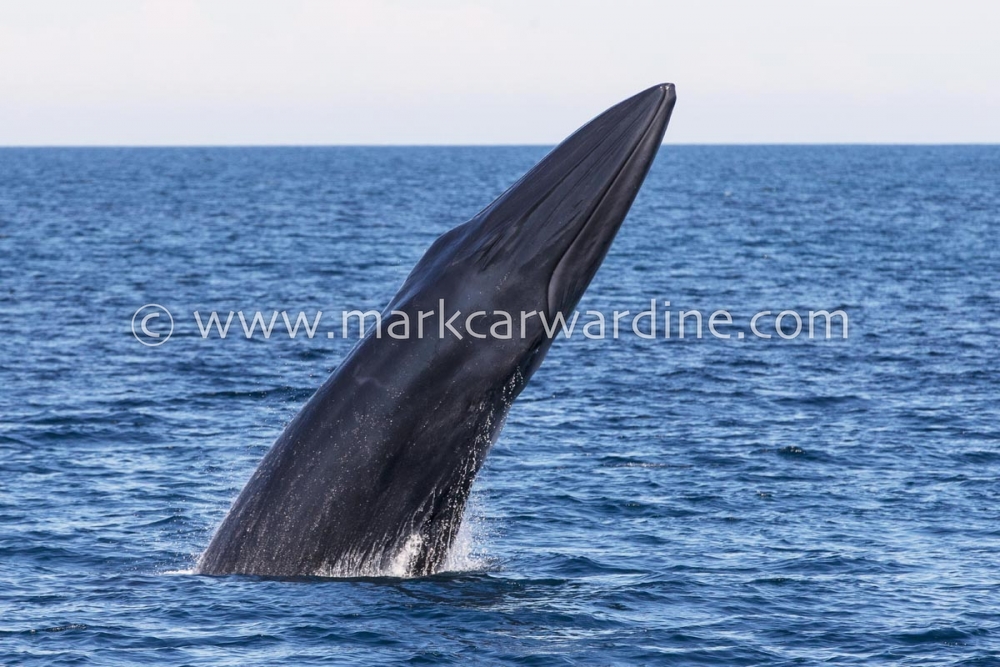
(538, 245)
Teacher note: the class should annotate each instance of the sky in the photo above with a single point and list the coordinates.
(222, 72)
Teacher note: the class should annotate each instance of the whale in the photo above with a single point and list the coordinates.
(372, 476)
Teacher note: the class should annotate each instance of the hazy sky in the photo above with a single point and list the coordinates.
(377, 72)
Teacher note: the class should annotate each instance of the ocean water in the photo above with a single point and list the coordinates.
(690, 501)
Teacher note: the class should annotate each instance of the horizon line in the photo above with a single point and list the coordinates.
(720, 144)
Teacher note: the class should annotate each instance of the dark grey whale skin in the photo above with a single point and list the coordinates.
(372, 475)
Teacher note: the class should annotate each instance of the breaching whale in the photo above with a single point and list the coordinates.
(372, 475)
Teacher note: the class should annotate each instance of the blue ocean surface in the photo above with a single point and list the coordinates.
(741, 501)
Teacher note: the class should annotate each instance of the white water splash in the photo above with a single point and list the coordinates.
(467, 554)
(468, 551)
(401, 562)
